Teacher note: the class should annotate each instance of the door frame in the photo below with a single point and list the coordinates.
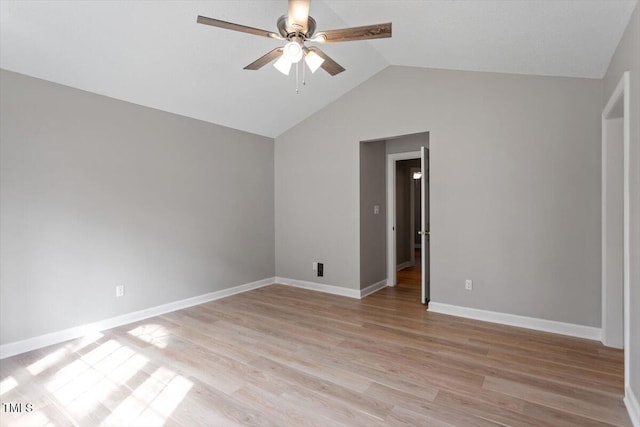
(425, 232)
(391, 211)
(620, 94)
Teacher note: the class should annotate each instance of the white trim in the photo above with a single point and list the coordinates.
(424, 264)
(552, 326)
(17, 347)
(621, 90)
(320, 287)
(331, 289)
(373, 288)
(404, 265)
(633, 407)
(391, 210)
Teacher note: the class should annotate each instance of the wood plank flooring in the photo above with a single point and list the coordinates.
(282, 356)
(410, 278)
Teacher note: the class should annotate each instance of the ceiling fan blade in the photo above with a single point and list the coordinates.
(298, 15)
(265, 59)
(237, 27)
(366, 32)
(329, 65)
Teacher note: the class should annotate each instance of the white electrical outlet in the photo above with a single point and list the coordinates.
(376, 209)
(468, 284)
(119, 291)
(314, 266)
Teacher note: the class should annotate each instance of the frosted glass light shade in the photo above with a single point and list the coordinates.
(313, 60)
(283, 65)
(293, 52)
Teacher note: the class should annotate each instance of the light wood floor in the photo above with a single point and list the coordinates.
(281, 356)
(410, 278)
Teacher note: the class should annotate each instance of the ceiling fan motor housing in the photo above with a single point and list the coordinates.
(290, 31)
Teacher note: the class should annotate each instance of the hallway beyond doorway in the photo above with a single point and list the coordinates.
(408, 279)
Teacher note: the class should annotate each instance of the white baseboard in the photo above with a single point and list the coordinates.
(321, 287)
(570, 329)
(331, 289)
(17, 347)
(373, 288)
(633, 407)
(404, 265)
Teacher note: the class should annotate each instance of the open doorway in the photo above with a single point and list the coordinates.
(408, 263)
(378, 240)
(408, 224)
(615, 221)
(406, 205)
(408, 256)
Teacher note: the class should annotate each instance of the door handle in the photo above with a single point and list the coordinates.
(426, 233)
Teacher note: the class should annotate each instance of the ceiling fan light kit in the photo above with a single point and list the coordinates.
(283, 65)
(293, 51)
(313, 60)
(297, 27)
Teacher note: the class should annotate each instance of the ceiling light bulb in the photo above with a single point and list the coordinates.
(313, 60)
(298, 12)
(293, 52)
(283, 65)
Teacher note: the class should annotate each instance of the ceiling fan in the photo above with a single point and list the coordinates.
(297, 27)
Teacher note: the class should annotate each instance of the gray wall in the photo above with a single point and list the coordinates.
(407, 143)
(614, 243)
(627, 58)
(373, 249)
(96, 192)
(515, 187)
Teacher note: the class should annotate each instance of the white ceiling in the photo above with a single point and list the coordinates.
(153, 53)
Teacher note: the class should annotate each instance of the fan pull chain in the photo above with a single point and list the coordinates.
(297, 79)
(304, 73)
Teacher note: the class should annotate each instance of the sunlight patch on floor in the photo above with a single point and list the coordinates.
(31, 419)
(153, 401)
(78, 386)
(81, 343)
(89, 384)
(99, 353)
(171, 396)
(128, 369)
(7, 385)
(66, 375)
(47, 361)
(154, 334)
(91, 380)
(114, 360)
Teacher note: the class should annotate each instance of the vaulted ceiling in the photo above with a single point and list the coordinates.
(154, 54)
